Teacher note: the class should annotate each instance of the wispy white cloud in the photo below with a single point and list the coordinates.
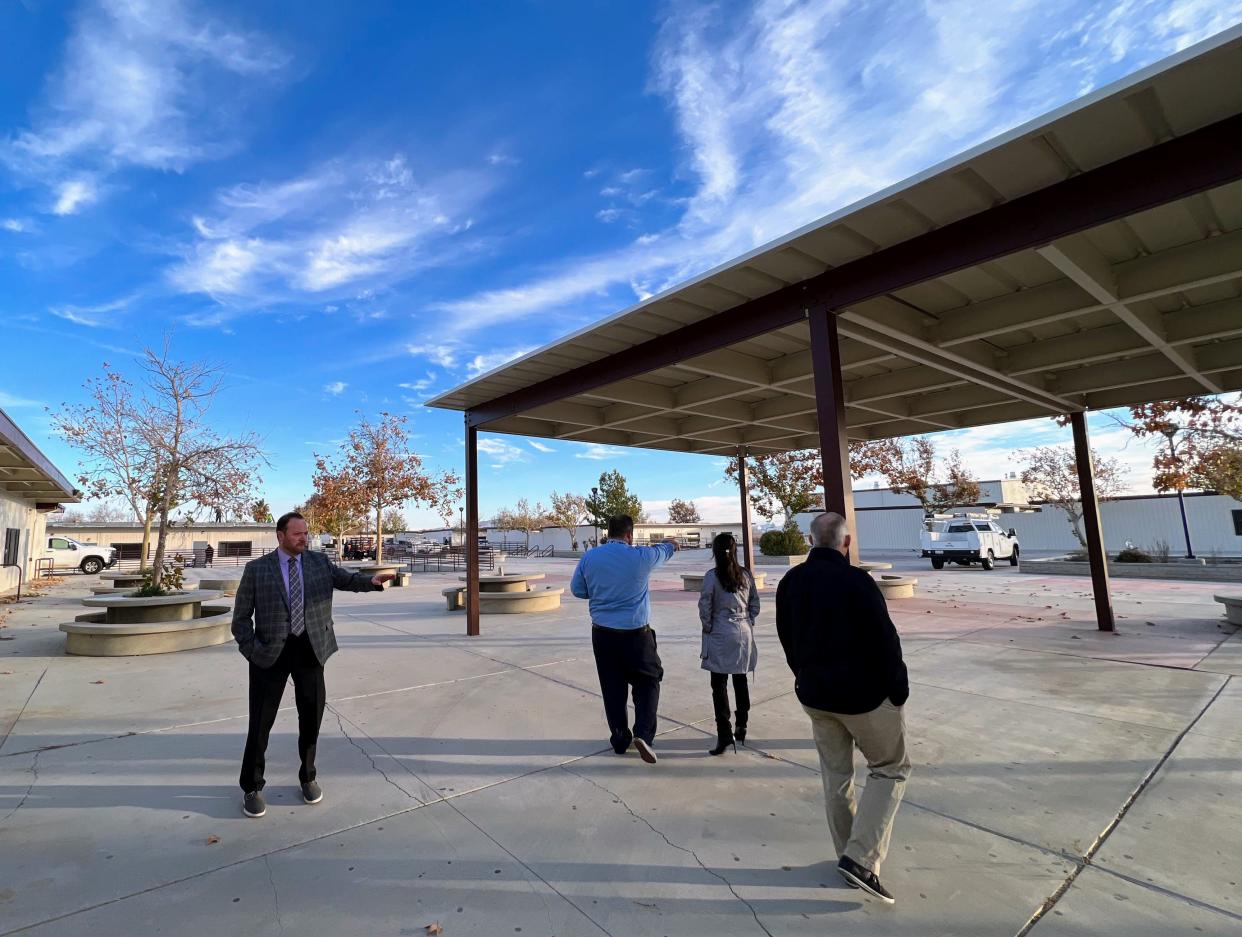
(100, 315)
(143, 83)
(501, 453)
(502, 159)
(445, 355)
(421, 384)
(335, 389)
(73, 194)
(598, 453)
(13, 402)
(789, 110)
(538, 446)
(16, 225)
(481, 364)
(342, 224)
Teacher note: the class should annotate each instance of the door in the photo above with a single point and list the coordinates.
(64, 553)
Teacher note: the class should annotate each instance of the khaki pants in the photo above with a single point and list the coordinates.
(862, 832)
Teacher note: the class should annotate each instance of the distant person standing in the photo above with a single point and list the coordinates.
(613, 578)
(282, 621)
(728, 607)
(851, 680)
(209, 554)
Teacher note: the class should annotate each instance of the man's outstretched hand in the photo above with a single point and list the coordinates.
(380, 578)
(676, 545)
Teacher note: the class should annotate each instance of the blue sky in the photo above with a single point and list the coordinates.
(355, 206)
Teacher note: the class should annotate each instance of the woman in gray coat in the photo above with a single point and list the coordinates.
(728, 607)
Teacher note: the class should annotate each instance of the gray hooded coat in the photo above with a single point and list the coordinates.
(728, 620)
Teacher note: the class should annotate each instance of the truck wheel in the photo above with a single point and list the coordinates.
(937, 564)
(1013, 557)
(989, 561)
(91, 565)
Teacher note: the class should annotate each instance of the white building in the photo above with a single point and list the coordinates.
(891, 522)
(562, 538)
(31, 487)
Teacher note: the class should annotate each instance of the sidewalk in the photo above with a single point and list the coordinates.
(468, 781)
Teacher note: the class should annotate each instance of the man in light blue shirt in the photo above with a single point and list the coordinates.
(613, 578)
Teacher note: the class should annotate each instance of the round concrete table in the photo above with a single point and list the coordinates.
(896, 587)
(127, 610)
(513, 582)
(227, 586)
(874, 567)
(693, 582)
(123, 579)
(371, 570)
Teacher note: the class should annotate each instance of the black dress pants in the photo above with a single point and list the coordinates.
(297, 660)
(627, 661)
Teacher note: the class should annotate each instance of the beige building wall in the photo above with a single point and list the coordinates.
(31, 526)
(181, 538)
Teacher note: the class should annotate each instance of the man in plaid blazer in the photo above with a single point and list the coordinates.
(282, 620)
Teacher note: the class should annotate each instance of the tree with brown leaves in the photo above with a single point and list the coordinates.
(377, 470)
(1050, 474)
(683, 512)
(913, 469)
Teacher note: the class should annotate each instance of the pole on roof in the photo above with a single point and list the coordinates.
(1091, 523)
(472, 529)
(834, 447)
(743, 484)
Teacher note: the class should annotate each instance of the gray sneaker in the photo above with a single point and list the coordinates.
(253, 804)
(644, 751)
(311, 792)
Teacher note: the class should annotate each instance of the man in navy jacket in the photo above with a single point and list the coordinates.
(851, 680)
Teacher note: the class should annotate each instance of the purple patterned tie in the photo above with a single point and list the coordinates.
(297, 617)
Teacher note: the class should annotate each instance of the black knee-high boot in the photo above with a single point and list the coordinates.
(741, 693)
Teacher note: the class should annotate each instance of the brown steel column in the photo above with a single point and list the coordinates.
(743, 483)
(834, 449)
(471, 532)
(1091, 523)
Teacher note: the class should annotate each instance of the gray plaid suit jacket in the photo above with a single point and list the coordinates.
(261, 609)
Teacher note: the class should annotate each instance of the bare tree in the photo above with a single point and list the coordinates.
(195, 463)
(523, 518)
(683, 512)
(1051, 474)
(394, 521)
(118, 459)
(380, 471)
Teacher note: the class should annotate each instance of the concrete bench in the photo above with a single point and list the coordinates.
(1233, 607)
(896, 587)
(92, 636)
(693, 582)
(541, 599)
(227, 586)
(874, 567)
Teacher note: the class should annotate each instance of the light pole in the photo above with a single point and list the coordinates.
(595, 514)
(1170, 431)
(461, 527)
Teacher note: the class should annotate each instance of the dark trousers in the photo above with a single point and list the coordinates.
(297, 660)
(628, 661)
(720, 698)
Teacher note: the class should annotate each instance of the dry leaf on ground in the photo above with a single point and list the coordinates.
(212, 840)
(434, 928)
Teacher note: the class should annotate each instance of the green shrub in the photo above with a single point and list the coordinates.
(1133, 555)
(787, 542)
(773, 543)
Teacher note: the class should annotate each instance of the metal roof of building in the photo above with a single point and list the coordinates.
(1145, 305)
(25, 472)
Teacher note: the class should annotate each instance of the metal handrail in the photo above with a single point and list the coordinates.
(21, 576)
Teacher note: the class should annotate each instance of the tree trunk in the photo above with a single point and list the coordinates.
(379, 530)
(170, 483)
(145, 555)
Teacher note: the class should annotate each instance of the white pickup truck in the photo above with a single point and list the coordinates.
(67, 553)
(965, 538)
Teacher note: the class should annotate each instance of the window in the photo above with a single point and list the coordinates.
(960, 528)
(984, 527)
(59, 543)
(128, 551)
(12, 546)
(234, 548)
(1237, 523)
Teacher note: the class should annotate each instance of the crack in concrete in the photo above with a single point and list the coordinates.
(1087, 857)
(367, 755)
(275, 894)
(688, 851)
(34, 770)
(22, 711)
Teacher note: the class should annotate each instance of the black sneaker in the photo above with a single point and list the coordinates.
(253, 805)
(854, 874)
(644, 751)
(625, 746)
(312, 793)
